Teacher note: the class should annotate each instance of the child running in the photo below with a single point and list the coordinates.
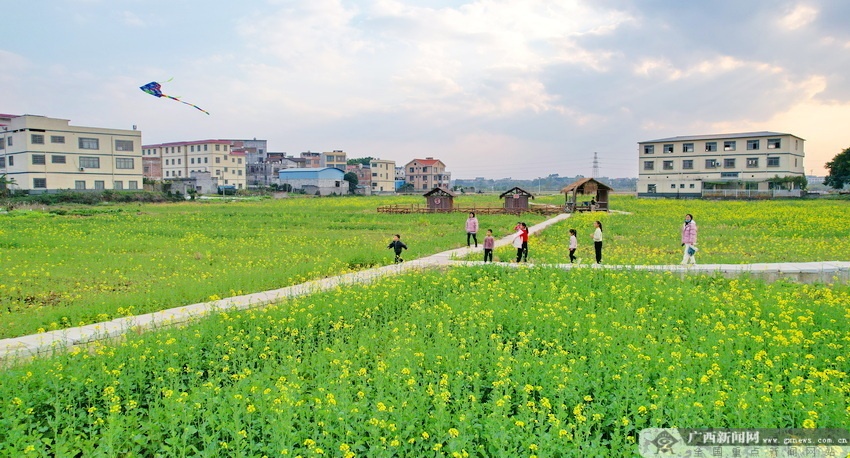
(397, 245)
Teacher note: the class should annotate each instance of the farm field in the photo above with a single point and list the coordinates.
(730, 232)
(472, 361)
(87, 264)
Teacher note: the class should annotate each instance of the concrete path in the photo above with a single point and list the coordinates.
(48, 342)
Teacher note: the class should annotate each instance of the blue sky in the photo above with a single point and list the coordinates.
(494, 88)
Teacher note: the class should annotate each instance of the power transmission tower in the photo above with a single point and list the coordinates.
(595, 173)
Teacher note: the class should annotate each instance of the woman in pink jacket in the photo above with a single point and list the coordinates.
(689, 239)
(472, 229)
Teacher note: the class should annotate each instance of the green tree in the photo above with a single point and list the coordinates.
(352, 180)
(366, 161)
(5, 184)
(839, 170)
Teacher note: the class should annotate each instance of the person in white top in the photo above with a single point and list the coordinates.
(597, 241)
(573, 245)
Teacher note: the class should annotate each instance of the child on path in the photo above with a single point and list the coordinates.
(573, 245)
(689, 240)
(472, 229)
(397, 245)
(597, 241)
(489, 243)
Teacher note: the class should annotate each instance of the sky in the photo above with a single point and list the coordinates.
(494, 88)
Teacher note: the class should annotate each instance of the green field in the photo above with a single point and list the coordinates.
(479, 361)
(92, 264)
(465, 361)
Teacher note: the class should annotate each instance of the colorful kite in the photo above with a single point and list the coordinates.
(155, 89)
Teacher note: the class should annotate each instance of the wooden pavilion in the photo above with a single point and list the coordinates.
(516, 199)
(440, 200)
(595, 193)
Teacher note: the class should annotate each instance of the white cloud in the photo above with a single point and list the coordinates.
(801, 16)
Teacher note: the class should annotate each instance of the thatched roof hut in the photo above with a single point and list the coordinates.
(595, 191)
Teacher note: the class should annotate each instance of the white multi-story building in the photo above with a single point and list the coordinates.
(226, 164)
(47, 154)
(694, 166)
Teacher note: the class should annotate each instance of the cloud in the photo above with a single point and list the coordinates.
(799, 17)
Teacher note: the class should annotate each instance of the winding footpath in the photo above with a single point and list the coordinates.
(59, 340)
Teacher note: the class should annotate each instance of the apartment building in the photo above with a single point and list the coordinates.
(383, 175)
(427, 174)
(227, 165)
(693, 166)
(312, 160)
(363, 173)
(44, 154)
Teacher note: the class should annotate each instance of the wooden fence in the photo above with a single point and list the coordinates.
(478, 210)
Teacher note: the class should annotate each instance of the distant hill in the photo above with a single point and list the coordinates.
(550, 183)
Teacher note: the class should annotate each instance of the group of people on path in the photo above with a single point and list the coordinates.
(520, 241)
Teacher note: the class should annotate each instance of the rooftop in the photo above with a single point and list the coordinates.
(685, 138)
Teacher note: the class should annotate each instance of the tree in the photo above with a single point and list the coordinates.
(839, 170)
(352, 180)
(5, 185)
(366, 161)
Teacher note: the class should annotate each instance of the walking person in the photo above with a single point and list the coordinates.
(597, 241)
(397, 245)
(522, 249)
(573, 245)
(489, 244)
(689, 240)
(472, 229)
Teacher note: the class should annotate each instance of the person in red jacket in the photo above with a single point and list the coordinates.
(522, 249)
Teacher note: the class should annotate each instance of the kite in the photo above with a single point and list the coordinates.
(155, 89)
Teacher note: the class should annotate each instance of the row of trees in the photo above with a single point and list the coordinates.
(839, 170)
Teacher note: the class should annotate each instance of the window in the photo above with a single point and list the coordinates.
(205, 147)
(98, 184)
(774, 143)
(218, 147)
(411, 170)
(239, 161)
(79, 184)
(2, 162)
(11, 161)
(9, 142)
(728, 174)
(771, 161)
(374, 174)
(668, 165)
(729, 146)
(39, 183)
(89, 143)
(217, 159)
(123, 145)
(691, 186)
(729, 163)
(240, 172)
(89, 162)
(710, 163)
(206, 160)
(38, 159)
(687, 164)
(668, 148)
(124, 163)
(647, 149)
(37, 139)
(651, 189)
(218, 172)
(225, 170)
(118, 185)
(711, 146)
(2, 143)
(687, 147)
(648, 165)
(424, 186)
(752, 162)
(192, 160)
(672, 185)
(682, 186)
(134, 184)
(752, 144)
(192, 149)
(57, 159)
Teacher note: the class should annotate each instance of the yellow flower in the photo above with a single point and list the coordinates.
(453, 432)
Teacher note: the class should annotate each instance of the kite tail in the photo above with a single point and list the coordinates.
(187, 103)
